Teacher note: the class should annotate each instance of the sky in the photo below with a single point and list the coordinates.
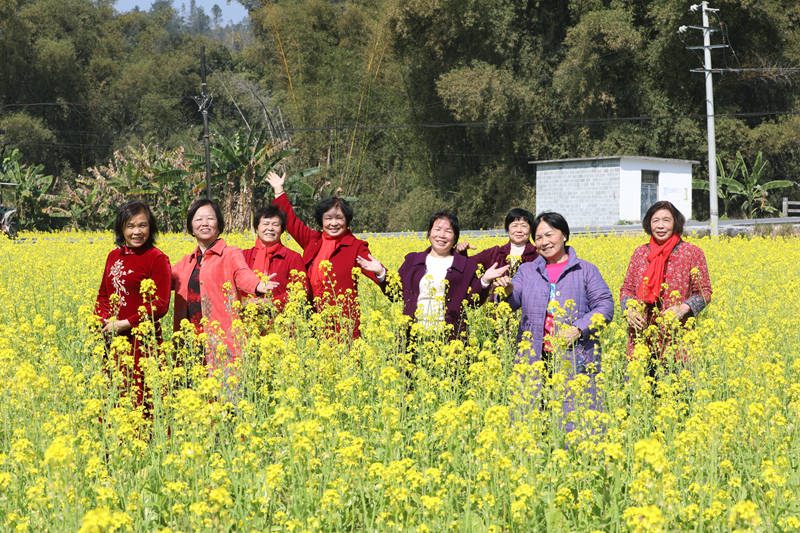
(231, 11)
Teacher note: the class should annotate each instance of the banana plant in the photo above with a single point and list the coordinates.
(744, 184)
(239, 165)
(32, 195)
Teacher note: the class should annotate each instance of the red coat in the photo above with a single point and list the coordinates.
(283, 262)
(343, 261)
(124, 272)
(221, 264)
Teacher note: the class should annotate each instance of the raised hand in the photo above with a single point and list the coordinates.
(276, 181)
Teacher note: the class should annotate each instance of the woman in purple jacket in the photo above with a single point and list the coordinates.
(435, 283)
(559, 295)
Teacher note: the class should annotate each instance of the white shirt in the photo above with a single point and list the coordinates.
(517, 250)
(430, 304)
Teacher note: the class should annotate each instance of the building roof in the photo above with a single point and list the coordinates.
(605, 158)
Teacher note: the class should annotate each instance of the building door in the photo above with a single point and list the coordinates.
(649, 189)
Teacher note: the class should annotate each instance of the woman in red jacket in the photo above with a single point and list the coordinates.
(330, 256)
(270, 256)
(664, 275)
(120, 305)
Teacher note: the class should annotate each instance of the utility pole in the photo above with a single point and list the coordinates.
(203, 103)
(712, 139)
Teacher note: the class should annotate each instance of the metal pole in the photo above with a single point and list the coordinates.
(204, 111)
(712, 142)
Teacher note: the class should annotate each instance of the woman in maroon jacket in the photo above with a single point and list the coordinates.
(437, 282)
(330, 256)
(270, 256)
(119, 299)
(518, 250)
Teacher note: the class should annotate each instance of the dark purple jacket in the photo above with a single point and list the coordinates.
(462, 282)
(580, 282)
(498, 254)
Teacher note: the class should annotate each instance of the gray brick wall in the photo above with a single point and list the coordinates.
(585, 192)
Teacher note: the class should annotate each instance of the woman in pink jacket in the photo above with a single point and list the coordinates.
(199, 279)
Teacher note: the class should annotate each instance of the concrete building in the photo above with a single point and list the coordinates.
(600, 191)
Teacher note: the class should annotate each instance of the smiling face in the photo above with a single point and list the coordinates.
(136, 230)
(442, 237)
(269, 230)
(662, 225)
(519, 232)
(334, 223)
(205, 226)
(549, 242)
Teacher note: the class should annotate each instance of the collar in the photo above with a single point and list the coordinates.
(459, 261)
(215, 248)
(572, 261)
(345, 239)
(133, 251)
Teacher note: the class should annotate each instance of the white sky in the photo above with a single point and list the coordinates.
(231, 11)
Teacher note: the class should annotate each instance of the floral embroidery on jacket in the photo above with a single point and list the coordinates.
(118, 273)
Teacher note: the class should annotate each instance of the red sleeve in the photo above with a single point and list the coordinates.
(701, 283)
(244, 279)
(633, 277)
(294, 226)
(296, 263)
(102, 308)
(158, 304)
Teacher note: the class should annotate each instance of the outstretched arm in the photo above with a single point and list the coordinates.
(294, 226)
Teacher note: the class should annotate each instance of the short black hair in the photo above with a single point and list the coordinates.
(554, 220)
(326, 204)
(677, 216)
(449, 215)
(519, 214)
(127, 211)
(197, 204)
(269, 211)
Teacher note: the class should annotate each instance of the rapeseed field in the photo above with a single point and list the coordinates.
(316, 435)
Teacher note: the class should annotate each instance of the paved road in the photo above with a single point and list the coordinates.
(725, 226)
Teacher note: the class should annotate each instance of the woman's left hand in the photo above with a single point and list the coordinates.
(569, 334)
(116, 326)
(265, 287)
(680, 310)
(370, 264)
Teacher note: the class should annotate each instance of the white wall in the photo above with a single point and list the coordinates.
(674, 185)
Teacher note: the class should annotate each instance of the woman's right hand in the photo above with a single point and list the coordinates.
(635, 318)
(276, 181)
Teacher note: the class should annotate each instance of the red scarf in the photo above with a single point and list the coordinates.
(264, 255)
(318, 281)
(650, 289)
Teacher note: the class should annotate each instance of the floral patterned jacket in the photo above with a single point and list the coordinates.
(686, 272)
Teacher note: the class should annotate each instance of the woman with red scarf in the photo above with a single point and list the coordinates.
(330, 257)
(665, 275)
(270, 256)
